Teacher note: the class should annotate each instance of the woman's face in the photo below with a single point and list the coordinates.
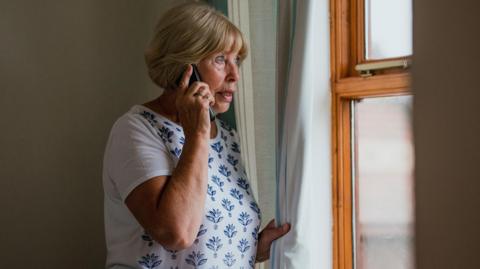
(220, 72)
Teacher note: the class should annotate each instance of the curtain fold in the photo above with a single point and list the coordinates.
(304, 127)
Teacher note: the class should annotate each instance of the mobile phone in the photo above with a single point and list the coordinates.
(196, 77)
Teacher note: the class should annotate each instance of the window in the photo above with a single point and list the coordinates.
(388, 29)
(373, 147)
(382, 172)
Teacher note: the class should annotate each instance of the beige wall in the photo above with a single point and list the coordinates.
(447, 127)
(67, 70)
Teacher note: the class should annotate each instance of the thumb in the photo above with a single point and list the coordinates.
(185, 78)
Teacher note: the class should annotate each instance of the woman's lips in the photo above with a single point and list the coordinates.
(225, 96)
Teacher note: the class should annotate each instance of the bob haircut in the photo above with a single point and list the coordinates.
(185, 35)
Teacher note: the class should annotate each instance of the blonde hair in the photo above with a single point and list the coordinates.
(187, 34)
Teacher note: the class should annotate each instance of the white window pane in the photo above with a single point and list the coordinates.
(388, 28)
(383, 183)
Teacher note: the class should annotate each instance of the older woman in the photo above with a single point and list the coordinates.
(176, 193)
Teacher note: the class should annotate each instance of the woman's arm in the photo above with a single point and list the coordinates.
(171, 208)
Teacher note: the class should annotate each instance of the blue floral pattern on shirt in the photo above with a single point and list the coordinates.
(228, 235)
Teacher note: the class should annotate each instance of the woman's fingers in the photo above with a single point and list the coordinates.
(275, 233)
(197, 88)
(267, 236)
(192, 102)
(208, 98)
(270, 232)
(201, 91)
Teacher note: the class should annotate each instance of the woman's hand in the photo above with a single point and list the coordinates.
(267, 236)
(192, 103)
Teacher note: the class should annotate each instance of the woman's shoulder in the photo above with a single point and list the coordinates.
(134, 119)
(137, 121)
(141, 117)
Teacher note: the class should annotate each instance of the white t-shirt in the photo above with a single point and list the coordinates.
(143, 145)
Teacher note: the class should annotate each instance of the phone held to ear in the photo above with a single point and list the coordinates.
(196, 77)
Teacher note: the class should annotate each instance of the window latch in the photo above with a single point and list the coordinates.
(368, 69)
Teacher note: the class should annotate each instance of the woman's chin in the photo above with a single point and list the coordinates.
(221, 108)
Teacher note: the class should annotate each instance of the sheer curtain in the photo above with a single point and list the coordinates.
(304, 128)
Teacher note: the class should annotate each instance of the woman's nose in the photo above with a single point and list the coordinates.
(232, 72)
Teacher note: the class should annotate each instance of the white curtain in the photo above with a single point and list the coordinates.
(304, 135)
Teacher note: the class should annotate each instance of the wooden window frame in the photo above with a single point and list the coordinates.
(347, 50)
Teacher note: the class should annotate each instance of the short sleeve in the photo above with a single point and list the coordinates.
(134, 154)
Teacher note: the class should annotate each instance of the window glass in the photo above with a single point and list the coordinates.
(383, 183)
(388, 28)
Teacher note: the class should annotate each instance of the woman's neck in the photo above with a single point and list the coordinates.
(165, 106)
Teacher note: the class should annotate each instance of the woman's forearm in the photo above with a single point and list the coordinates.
(181, 203)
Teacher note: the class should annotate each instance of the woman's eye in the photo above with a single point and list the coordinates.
(238, 61)
(220, 59)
